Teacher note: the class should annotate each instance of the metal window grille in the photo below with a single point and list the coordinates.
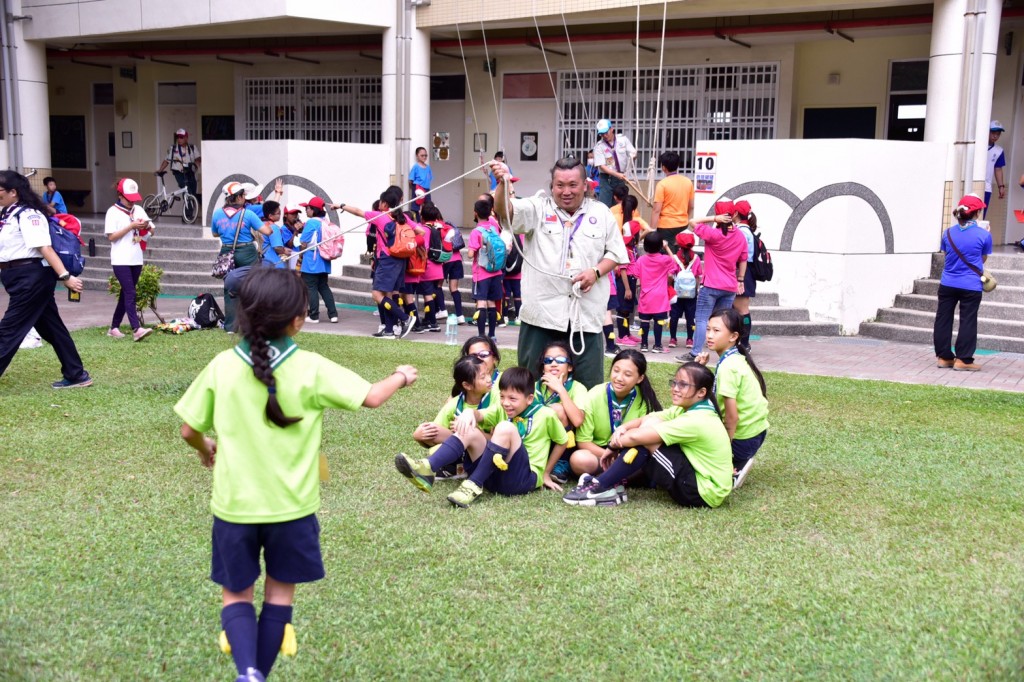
(733, 102)
(322, 109)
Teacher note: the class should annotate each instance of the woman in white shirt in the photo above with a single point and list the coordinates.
(30, 270)
(124, 221)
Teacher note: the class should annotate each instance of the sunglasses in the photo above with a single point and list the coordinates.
(561, 360)
(672, 383)
(483, 354)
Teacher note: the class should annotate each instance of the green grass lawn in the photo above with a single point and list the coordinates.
(879, 537)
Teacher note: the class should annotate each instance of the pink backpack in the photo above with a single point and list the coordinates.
(332, 241)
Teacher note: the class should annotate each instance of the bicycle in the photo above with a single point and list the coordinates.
(157, 204)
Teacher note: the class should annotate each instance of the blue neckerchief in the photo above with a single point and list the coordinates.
(615, 411)
(280, 350)
(524, 421)
(721, 361)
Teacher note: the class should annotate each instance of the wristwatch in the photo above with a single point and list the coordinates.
(65, 277)
(596, 270)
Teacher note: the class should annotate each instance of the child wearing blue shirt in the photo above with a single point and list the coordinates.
(52, 197)
(314, 268)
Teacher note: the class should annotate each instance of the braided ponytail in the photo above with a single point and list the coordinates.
(268, 302)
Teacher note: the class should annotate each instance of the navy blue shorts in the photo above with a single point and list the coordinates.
(428, 288)
(749, 283)
(623, 304)
(648, 317)
(490, 289)
(389, 275)
(291, 550)
(513, 288)
(742, 450)
(519, 479)
(453, 270)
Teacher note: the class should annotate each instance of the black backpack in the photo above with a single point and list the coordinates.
(761, 267)
(513, 259)
(438, 250)
(205, 311)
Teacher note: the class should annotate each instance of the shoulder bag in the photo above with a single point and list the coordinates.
(225, 262)
(988, 282)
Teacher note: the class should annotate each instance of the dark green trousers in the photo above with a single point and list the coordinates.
(589, 367)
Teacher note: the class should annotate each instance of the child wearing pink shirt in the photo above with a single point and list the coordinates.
(652, 271)
(487, 286)
(433, 275)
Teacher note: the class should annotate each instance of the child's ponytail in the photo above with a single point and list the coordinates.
(465, 371)
(269, 301)
(702, 377)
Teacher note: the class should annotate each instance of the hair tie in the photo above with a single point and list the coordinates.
(272, 390)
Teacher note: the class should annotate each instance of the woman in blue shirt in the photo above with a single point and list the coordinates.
(234, 217)
(420, 175)
(960, 284)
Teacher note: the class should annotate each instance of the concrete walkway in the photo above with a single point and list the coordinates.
(854, 357)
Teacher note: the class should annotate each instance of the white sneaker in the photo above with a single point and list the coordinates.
(334, 320)
(442, 315)
(311, 320)
(741, 475)
(461, 319)
(380, 328)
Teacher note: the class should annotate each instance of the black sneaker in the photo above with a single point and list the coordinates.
(407, 326)
(383, 333)
(419, 328)
(434, 328)
(450, 473)
(86, 380)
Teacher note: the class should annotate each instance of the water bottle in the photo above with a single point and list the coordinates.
(451, 331)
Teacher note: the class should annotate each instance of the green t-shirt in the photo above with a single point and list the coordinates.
(542, 429)
(705, 442)
(736, 380)
(596, 427)
(451, 410)
(263, 473)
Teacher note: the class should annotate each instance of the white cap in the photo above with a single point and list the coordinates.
(996, 125)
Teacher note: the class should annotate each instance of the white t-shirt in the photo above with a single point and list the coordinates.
(124, 251)
(23, 234)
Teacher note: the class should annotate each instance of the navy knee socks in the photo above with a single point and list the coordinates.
(480, 317)
(239, 623)
(449, 452)
(609, 337)
(620, 471)
(485, 465)
(273, 618)
(492, 321)
(457, 300)
(657, 332)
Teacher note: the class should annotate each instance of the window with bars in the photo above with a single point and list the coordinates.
(733, 102)
(322, 109)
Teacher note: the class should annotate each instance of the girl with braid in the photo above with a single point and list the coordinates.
(265, 398)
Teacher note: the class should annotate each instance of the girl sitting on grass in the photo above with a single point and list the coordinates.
(557, 389)
(739, 388)
(510, 463)
(684, 450)
(265, 398)
(627, 395)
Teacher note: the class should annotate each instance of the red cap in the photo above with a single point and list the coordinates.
(685, 240)
(129, 188)
(971, 203)
(420, 193)
(742, 207)
(724, 205)
(315, 202)
(291, 209)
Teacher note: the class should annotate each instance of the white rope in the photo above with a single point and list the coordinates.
(661, 73)
(367, 222)
(469, 86)
(492, 76)
(576, 73)
(554, 92)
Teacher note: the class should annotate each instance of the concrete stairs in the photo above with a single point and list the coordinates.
(186, 254)
(1000, 318)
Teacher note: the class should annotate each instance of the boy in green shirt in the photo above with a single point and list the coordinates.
(512, 462)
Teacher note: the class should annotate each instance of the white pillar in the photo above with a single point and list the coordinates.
(419, 93)
(389, 91)
(986, 84)
(33, 102)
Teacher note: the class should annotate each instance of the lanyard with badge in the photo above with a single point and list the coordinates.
(721, 361)
(617, 410)
(568, 260)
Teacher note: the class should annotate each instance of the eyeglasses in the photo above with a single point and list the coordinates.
(673, 384)
(560, 359)
(482, 354)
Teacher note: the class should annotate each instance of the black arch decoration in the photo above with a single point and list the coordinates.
(801, 207)
(294, 180)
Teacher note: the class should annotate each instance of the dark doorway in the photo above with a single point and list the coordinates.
(906, 117)
(840, 122)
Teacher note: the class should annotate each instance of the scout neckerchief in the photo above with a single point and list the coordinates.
(721, 361)
(702, 405)
(611, 148)
(617, 411)
(567, 224)
(460, 404)
(278, 351)
(486, 402)
(540, 389)
(524, 421)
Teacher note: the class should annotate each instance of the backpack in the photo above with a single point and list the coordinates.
(686, 282)
(438, 250)
(417, 262)
(761, 267)
(64, 231)
(403, 243)
(203, 309)
(332, 241)
(454, 236)
(513, 261)
(492, 253)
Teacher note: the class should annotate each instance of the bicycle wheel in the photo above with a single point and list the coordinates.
(151, 205)
(190, 209)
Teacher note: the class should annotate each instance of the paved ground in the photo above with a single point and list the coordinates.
(855, 357)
